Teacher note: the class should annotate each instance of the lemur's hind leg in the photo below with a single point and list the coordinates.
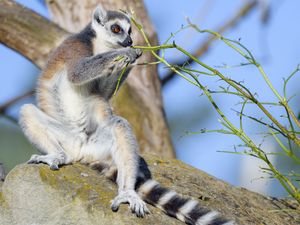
(126, 158)
(45, 133)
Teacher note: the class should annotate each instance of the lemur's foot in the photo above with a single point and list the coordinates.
(51, 160)
(137, 205)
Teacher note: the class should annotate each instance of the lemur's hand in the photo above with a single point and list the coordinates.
(139, 52)
(131, 54)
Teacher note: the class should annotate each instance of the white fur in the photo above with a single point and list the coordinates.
(180, 217)
(166, 197)
(188, 207)
(147, 186)
(105, 40)
(229, 223)
(207, 218)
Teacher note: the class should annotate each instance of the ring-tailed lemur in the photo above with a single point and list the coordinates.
(75, 123)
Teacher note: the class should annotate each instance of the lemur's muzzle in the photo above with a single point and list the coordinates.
(127, 42)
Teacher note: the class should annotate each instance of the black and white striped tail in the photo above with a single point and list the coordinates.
(185, 210)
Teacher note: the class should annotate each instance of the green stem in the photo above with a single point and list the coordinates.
(269, 82)
(247, 95)
(140, 28)
(154, 48)
(293, 137)
(285, 182)
(119, 79)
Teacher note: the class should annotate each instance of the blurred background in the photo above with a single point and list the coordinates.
(270, 30)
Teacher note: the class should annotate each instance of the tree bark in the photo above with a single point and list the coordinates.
(139, 100)
(27, 32)
(75, 194)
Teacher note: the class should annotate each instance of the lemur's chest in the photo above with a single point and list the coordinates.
(73, 105)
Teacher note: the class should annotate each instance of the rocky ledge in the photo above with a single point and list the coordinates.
(76, 194)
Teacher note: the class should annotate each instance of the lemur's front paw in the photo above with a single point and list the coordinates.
(52, 161)
(136, 204)
(132, 54)
(138, 52)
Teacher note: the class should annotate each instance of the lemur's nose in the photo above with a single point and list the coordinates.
(127, 42)
(130, 42)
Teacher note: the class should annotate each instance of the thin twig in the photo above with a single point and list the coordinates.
(241, 13)
(256, 149)
(240, 88)
(259, 121)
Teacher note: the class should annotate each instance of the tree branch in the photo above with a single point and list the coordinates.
(8, 104)
(28, 33)
(241, 13)
(11, 102)
(91, 193)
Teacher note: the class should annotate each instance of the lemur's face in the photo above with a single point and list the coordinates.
(112, 27)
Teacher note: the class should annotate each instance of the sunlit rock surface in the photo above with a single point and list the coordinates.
(76, 194)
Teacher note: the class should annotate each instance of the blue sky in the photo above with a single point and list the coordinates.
(275, 45)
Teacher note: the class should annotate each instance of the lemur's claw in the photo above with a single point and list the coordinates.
(54, 167)
(115, 205)
(136, 204)
(52, 161)
(114, 208)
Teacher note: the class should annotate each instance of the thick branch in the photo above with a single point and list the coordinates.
(232, 22)
(75, 194)
(27, 32)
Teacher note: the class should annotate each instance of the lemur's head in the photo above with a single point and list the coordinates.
(113, 27)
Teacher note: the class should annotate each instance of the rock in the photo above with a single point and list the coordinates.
(33, 194)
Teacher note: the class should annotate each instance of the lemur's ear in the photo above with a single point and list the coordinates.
(100, 15)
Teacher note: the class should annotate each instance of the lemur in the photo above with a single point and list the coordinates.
(74, 121)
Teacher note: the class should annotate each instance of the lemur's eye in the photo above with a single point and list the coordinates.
(116, 28)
